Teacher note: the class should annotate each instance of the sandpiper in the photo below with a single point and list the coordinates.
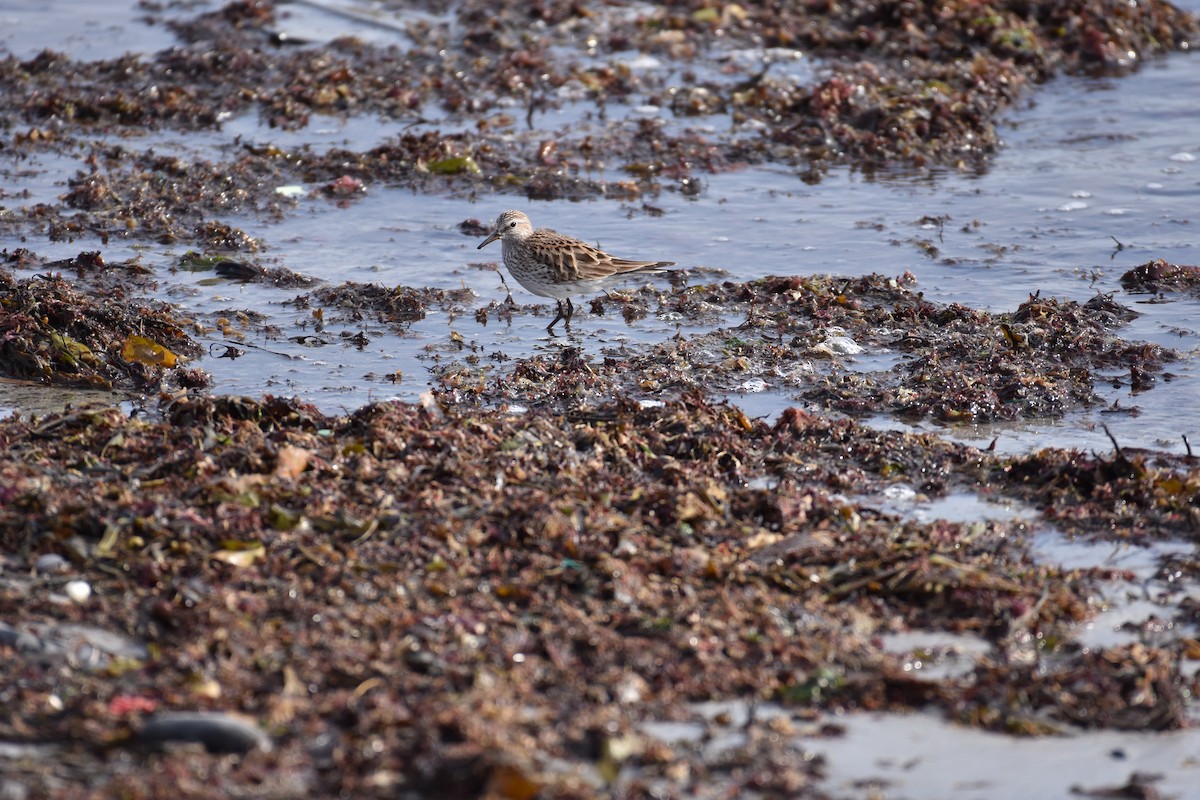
(550, 264)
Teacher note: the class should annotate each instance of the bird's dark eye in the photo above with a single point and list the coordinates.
(512, 224)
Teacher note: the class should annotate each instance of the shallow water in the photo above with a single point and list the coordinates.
(1088, 163)
(920, 756)
(87, 30)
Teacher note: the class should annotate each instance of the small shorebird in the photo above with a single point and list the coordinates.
(550, 264)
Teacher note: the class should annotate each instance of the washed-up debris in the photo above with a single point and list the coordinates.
(1160, 276)
(53, 333)
(953, 363)
(468, 598)
(397, 305)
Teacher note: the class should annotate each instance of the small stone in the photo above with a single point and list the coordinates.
(78, 591)
(218, 732)
(49, 562)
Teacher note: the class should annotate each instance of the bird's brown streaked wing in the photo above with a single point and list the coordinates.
(575, 260)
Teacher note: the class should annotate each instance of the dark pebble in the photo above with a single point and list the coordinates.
(217, 731)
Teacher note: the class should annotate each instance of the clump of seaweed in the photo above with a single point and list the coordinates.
(1158, 276)
(475, 598)
(52, 333)
(952, 363)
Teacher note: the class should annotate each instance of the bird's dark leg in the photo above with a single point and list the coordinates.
(557, 317)
(565, 317)
(508, 300)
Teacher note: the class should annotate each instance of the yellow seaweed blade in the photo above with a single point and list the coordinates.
(144, 351)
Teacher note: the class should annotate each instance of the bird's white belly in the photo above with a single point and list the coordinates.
(563, 291)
